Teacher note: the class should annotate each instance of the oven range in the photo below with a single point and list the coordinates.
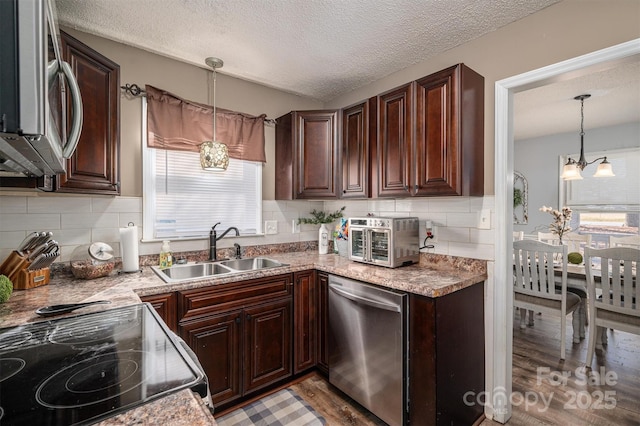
(85, 368)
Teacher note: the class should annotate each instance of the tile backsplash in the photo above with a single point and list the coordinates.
(79, 220)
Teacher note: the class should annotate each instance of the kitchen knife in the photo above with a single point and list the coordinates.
(38, 251)
(25, 243)
(36, 241)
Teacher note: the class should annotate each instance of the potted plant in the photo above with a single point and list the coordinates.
(322, 218)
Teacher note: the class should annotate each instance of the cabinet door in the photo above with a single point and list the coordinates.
(395, 134)
(166, 306)
(305, 327)
(322, 279)
(94, 166)
(267, 349)
(355, 151)
(316, 163)
(216, 341)
(449, 133)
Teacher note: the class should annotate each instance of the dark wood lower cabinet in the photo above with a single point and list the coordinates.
(267, 349)
(446, 352)
(305, 303)
(322, 279)
(242, 342)
(217, 342)
(165, 305)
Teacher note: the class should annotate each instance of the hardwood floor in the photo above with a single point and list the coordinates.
(546, 391)
(608, 395)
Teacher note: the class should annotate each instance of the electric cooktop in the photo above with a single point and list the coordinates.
(85, 368)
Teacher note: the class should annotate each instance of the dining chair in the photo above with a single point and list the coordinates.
(535, 285)
(617, 305)
(626, 241)
(576, 243)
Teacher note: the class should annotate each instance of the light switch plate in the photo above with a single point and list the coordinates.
(295, 226)
(270, 227)
(484, 219)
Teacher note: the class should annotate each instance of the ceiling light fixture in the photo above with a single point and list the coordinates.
(214, 155)
(572, 169)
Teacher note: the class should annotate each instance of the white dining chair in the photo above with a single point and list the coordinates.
(617, 305)
(535, 283)
(576, 243)
(624, 241)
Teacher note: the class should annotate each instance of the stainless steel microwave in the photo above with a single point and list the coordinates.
(34, 81)
(384, 241)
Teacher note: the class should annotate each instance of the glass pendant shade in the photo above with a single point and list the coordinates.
(570, 171)
(604, 169)
(214, 156)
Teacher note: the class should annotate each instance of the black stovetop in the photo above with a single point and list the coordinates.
(82, 369)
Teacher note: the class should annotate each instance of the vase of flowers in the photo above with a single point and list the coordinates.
(561, 220)
(322, 218)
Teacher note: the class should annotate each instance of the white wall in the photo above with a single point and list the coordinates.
(538, 160)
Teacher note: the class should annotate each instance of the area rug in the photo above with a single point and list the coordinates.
(283, 408)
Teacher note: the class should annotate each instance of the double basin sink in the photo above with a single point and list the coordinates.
(196, 271)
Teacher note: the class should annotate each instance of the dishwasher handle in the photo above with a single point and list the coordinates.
(364, 300)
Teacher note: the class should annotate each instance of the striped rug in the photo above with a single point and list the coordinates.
(283, 408)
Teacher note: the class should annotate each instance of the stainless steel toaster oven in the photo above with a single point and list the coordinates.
(384, 241)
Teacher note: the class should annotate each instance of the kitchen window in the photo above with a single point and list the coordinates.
(182, 201)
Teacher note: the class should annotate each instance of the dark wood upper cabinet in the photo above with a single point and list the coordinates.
(449, 133)
(307, 155)
(356, 121)
(431, 136)
(395, 138)
(94, 166)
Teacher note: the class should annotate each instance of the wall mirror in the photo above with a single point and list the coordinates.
(520, 195)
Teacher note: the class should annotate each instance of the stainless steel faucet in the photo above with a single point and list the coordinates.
(213, 238)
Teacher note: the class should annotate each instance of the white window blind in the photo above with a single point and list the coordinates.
(183, 201)
(618, 193)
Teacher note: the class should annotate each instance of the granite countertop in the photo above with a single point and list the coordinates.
(434, 276)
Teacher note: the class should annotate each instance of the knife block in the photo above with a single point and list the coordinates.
(12, 265)
(31, 279)
(15, 268)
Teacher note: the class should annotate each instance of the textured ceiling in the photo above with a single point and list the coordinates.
(316, 48)
(325, 48)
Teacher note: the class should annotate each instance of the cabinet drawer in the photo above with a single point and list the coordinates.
(233, 295)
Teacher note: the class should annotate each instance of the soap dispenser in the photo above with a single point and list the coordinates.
(166, 257)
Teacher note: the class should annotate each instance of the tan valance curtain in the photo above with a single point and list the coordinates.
(178, 124)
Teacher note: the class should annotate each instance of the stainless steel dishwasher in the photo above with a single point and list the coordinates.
(368, 341)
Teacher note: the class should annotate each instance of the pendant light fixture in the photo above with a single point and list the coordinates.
(214, 155)
(572, 168)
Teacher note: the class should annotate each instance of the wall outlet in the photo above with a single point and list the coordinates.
(295, 226)
(270, 227)
(484, 219)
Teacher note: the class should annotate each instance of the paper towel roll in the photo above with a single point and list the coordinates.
(129, 248)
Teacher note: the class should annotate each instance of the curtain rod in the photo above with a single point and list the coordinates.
(133, 90)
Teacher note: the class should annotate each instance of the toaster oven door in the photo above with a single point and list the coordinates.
(380, 246)
(358, 244)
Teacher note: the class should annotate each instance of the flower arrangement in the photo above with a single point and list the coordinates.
(561, 220)
(321, 217)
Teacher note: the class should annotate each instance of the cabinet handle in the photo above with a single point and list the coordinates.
(237, 320)
(248, 317)
(344, 191)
